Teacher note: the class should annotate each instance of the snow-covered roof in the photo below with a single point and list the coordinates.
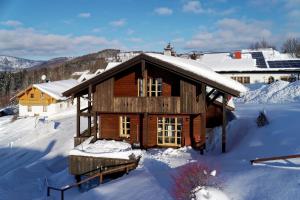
(85, 77)
(56, 88)
(201, 70)
(225, 62)
(112, 65)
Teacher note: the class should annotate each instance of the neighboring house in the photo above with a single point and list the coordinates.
(253, 66)
(155, 100)
(45, 99)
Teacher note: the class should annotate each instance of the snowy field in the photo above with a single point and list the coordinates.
(32, 151)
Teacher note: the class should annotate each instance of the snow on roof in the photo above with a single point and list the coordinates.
(225, 62)
(80, 73)
(111, 65)
(200, 69)
(56, 88)
(221, 62)
(85, 77)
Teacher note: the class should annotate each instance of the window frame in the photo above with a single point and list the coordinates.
(45, 109)
(156, 83)
(169, 133)
(29, 108)
(124, 130)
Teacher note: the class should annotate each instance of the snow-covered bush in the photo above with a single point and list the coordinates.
(191, 176)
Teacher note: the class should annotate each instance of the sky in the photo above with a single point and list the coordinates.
(40, 29)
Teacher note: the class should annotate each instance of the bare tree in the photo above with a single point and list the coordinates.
(261, 44)
(292, 46)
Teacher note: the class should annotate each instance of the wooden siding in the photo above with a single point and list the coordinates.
(81, 164)
(191, 100)
(125, 84)
(109, 127)
(192, 97)
(26, 99)
(143, 128)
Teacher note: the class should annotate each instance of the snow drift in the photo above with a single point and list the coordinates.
(277, 92)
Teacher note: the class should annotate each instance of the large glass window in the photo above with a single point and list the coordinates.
(169, 131)
(124, 126)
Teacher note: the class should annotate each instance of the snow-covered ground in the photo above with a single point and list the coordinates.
(32, 151)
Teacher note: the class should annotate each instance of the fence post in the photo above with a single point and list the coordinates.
(48, 191)
(62, 194)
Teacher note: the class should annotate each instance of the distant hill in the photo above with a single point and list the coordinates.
(18, 73)
(11, 63)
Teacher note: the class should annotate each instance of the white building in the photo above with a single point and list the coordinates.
(45, 99)
(253, 66)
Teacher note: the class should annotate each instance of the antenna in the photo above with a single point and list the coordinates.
(44, 77)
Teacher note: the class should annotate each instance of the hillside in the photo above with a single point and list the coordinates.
(36, 151)
(10, 63)
(56, 69)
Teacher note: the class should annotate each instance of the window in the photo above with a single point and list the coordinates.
(124, 126)
(44, 108)
(169, 131)
(141, 89)
(29, 109)
(32, 96)
(242, 79)
(154, 87)
(42, 95)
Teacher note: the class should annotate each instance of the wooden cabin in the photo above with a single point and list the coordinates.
(44, 99)
(154, 100)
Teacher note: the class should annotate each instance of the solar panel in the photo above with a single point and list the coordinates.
(284, 64)
(260, 60)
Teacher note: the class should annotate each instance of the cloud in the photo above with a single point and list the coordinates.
(84, 15)
(29, 42)
(231, 34)
(197, 8)
(12, 23)
(118, 23)
(193, 7)
(163, 11)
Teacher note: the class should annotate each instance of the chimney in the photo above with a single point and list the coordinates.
(237, 55)
(168, 50)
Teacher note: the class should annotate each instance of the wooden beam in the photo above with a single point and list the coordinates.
(95, 125)
(210, 93)
(145, 78)
(78, 117)
(145, 129)
(274, 158)
(89, 110)
(210, 101)
(224, 123)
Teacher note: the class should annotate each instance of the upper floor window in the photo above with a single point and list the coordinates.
(242, 79)
(42, 95)
(32, 96)
(154, 87)
(141, 89)
(124, 126)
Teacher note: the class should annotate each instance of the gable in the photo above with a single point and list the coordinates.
(174, 65)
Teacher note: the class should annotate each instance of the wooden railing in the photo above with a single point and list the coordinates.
(274, 158)
(98, 173)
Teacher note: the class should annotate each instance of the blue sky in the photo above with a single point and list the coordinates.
(41, 29)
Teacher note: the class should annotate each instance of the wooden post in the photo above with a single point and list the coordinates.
(224, 122)
(145, 129)
(145, 78)
(78, 117)
(95, 126)
(89, 110)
